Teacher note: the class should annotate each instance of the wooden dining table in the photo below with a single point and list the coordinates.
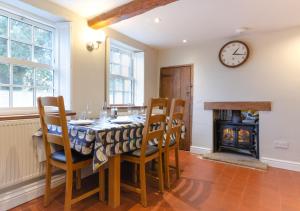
(107, 140)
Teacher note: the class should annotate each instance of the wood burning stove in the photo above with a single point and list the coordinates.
(234, 135)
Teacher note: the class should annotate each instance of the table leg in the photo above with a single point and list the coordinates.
(114, 181)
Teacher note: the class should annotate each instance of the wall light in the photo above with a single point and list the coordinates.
(94, 38)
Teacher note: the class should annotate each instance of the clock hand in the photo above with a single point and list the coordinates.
(235, 51)
(239, 54)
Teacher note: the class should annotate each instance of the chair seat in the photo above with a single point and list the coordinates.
(76, 156)
(149, 151)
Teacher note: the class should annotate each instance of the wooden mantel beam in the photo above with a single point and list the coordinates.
(258, 105)
(131, 9)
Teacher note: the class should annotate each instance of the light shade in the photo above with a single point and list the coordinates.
(94, 38)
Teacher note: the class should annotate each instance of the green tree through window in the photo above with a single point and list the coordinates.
(27, 68)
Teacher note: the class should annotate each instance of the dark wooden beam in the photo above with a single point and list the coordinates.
(131, 9)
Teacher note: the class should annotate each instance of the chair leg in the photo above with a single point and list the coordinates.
(68, 194)
(160, 173)
(143, 184)
(166, 168)
(177, 162)
(135, 172)
(48, 184)
(101, 184)
(152, 165)
(78, 179)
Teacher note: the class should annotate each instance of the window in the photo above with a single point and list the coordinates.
(26, 61)
(124, 75)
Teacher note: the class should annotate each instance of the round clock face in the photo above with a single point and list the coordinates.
(234, 54)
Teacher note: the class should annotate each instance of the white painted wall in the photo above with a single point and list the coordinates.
(272, 73)
(88, 68)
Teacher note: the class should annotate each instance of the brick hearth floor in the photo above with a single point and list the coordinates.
(204, 185)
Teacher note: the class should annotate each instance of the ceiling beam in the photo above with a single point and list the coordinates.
(129, 10)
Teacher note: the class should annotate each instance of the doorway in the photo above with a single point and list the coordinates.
(177, 82)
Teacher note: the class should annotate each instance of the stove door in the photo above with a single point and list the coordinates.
(227, 136)
(245, 137)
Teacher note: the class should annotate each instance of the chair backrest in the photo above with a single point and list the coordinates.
(175, 120)
(58, 119)
(155, 123)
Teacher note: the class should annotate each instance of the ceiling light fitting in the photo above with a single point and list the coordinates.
(157, 20)
(241, 30)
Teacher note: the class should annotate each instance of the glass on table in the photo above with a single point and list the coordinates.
(88, 112)
(129, 111)
(103, 117)
(83, 115)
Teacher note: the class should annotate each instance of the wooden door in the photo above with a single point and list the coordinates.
(176, 82)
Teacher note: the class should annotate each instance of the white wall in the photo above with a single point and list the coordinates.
(88, 68)
(272, 73)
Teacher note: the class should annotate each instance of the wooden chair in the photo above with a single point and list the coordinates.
(148, 152)
(65, 159)
(172, 138)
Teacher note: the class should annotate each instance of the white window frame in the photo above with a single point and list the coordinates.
(34, 22)
(122, 50)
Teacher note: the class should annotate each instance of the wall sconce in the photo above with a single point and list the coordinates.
(94, 38)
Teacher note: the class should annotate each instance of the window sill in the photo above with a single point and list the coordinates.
(28, 116)
(125, 107)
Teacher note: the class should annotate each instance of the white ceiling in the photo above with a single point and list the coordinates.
(90, 8)
(22, 6)
(196, 20)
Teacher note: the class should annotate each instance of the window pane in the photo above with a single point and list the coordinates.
(4, 96)
(42, 55)
(20, 31)
(115, 57)
(115, 69)
(126, 71)
(118, 98)
(111, 85)
(3, 26)
(42, 37)
(127, 85)
(43, 92)
(20, 50)
(4, 74)
(3, 47)
(118, 84)
(111, 98)
(22, 76)
(22, 97)
(125, 60)
(127, 98)
(44, 77)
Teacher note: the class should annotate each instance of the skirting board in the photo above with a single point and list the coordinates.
(200, 150)
(277, 163)
(27, 193)
(283, 164)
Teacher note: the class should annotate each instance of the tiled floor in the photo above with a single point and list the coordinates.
(206, 185)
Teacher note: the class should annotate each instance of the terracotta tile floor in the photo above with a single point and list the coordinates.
(206, 185)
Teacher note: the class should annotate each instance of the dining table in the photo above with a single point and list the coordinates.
(106, 140)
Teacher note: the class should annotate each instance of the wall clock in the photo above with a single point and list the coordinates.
(234, 53)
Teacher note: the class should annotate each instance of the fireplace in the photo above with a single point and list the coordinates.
(236, 125)
(237, 137)
(237, 131)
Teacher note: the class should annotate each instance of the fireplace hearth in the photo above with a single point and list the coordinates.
(237, 131)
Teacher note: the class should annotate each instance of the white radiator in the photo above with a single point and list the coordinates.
(18, 156)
